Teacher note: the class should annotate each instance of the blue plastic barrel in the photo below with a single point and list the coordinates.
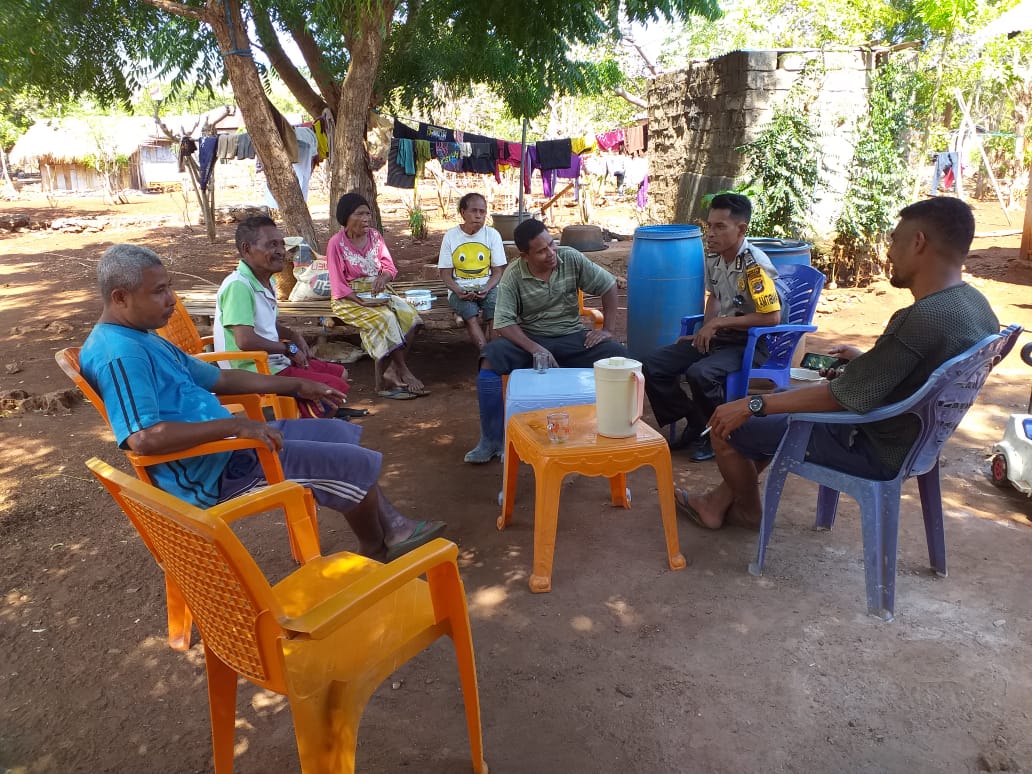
(665, 281)
(782, 251)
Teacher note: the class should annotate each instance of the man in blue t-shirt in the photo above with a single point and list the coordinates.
(159, 400)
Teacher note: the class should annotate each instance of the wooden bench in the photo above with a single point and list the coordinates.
(199, 301)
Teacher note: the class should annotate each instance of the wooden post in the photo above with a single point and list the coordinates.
(966, 118)
(1026, 233)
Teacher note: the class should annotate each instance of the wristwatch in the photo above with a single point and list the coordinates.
(756, 406)
(292, 349)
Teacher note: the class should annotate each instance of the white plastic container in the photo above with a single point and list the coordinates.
(420, 300)
(620, 396)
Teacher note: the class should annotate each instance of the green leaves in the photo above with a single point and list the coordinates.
(783, 165)
(879, 176)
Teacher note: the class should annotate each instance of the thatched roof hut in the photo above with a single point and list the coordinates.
(74, 154)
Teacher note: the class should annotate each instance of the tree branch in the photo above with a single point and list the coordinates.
(288, 73)
(628, 40)
(632, 98)
(178, 9)
(328, 86)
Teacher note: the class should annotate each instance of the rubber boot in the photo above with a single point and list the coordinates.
(492, 429)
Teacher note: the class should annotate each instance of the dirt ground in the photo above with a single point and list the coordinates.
(624, 667)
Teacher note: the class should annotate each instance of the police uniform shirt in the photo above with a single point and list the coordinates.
(745, 284)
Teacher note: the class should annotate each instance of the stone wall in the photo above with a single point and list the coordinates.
(698, 117)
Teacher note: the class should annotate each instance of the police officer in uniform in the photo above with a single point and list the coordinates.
(742, 295)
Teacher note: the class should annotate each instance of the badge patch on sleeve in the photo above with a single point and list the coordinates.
(761, 289)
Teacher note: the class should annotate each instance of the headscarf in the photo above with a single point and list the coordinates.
(348, 203)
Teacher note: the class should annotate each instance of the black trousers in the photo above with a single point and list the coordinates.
(704, 372)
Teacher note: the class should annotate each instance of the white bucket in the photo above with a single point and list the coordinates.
(420, 300)
(620, 396)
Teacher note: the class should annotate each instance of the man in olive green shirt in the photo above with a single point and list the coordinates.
(538, 311)
(926, 256)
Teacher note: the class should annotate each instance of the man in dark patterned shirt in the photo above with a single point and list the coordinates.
(926, 256)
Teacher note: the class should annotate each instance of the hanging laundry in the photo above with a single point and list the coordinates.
(206, 159)
(554, 154)
(396, 176)
(637, 169)
(481, 160)
(285, 131)
(245, 148)
(634, 140)
(222, 151)
(643, 193)
(594, 165)
(530, 163)
(435, 133)
(423, 155)
(610, 140)
(187, 148)
(231, 145)
(321, 139)
(583, 143)
(308, 151)
(407, 156)
(572, 172)
(403, 131)
(513, 153)
(329, 126)
(449, 156)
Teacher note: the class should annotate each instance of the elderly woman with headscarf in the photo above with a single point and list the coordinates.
(360, 267)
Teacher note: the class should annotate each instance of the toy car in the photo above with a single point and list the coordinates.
(1011, 460)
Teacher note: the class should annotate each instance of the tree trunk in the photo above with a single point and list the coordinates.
(250, 96)
(351, 170)
(9, 190)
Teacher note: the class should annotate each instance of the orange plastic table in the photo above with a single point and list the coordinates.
(589, 454)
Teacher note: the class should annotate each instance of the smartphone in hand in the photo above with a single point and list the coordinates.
(817, 362)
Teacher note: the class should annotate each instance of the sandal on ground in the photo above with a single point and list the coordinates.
(424, 532)
(686, 510)
(396, 393)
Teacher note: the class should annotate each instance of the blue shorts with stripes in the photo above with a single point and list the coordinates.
(321, 454)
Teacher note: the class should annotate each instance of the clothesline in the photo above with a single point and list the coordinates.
(459, 151)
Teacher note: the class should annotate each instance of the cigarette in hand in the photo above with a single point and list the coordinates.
(705, 431)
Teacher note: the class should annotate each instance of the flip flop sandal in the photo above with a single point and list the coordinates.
(398, 393)
(424, 532)
(418, 393)
(681, 501)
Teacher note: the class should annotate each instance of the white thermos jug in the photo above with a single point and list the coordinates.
(619, 396)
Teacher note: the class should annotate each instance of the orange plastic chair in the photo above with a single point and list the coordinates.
(181, 331)
(594, 315)
(179, 617)
(590, 454)
(326, 636)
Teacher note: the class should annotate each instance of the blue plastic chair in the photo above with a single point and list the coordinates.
(939, 406)
(802, 286)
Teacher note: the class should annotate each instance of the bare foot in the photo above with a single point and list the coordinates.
(700, 509)
(710, 514)
(740, 518)
(411, 383)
